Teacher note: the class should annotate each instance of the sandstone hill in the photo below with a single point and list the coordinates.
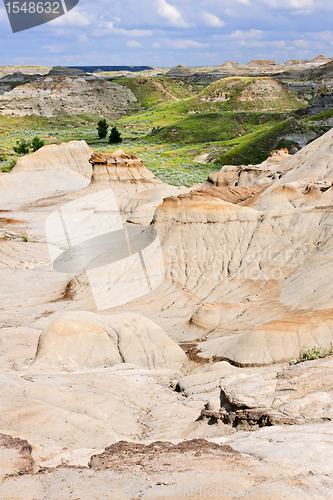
(187, 382)
(179, 71)
(57, 95)
(28, 70)
(250, 94)
(260, 63)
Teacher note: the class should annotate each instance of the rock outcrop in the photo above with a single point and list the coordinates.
(138, 192)
(260, 63)
(120, 170)
(58, 95)
(51, 170)
(84, 340)
(64, 71)
(246, 285)
(193, 468)
(179, 71)
(15, 457)
(14, 77)
(321, 104)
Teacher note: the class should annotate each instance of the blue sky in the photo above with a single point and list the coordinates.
(171, 32)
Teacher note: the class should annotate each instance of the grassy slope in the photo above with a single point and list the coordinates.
(155, 90)
(189, 123)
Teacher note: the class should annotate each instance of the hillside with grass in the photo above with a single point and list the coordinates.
(152, 91)
(233, 121)
(250, 94)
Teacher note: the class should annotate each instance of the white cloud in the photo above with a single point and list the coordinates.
(301, 43)
(156, 45)
(72, 18)
(212, 20)
(290, 4)
(257, 34)
(245, 2)
(185, 44)
(123, 32)
(133, 44)
(82, 37)
(170, 13)
(52, 48)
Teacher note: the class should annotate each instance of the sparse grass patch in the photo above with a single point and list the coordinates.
(313, 353)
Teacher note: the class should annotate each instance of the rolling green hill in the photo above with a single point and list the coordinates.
(154, 90)
(234, 121)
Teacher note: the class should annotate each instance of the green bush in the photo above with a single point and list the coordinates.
(102, 128)
(115, 136)
(37, 143)
(22, 147)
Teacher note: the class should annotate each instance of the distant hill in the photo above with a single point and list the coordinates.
(179, 71)
(322, 73)
(92, 69)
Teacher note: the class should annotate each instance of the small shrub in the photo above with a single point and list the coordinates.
(115, 136)
(102, 128)
(22, 147)
(37, 143)
(313, 353)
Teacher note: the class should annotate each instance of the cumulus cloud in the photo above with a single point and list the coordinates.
(123, 32)
(291, 4)
(170, 13)
(104, 31)
(55, 49)
(185, 44)
(133, 44)
(247, 34)
(212, 20)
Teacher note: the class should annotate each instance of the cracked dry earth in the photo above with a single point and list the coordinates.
(185, 389)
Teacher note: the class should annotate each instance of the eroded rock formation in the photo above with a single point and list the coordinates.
(205, 354)
(58, 95)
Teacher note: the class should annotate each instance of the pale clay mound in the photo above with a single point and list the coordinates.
(247, 258)
(84, 340)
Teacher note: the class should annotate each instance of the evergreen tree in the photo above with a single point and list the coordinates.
(102, 128)
(37, 143)
(115, 136)
(22, 147)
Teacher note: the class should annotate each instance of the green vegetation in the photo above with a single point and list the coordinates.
(52, 130)
(36, 144)
(251, 94)
(22, 147)
(256, 146)
(115, 136)
(235, 121)
(313, 353)
(155, 90)
(102, 128)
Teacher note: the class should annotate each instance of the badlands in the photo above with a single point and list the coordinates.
(147, 329)
(154, 333)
